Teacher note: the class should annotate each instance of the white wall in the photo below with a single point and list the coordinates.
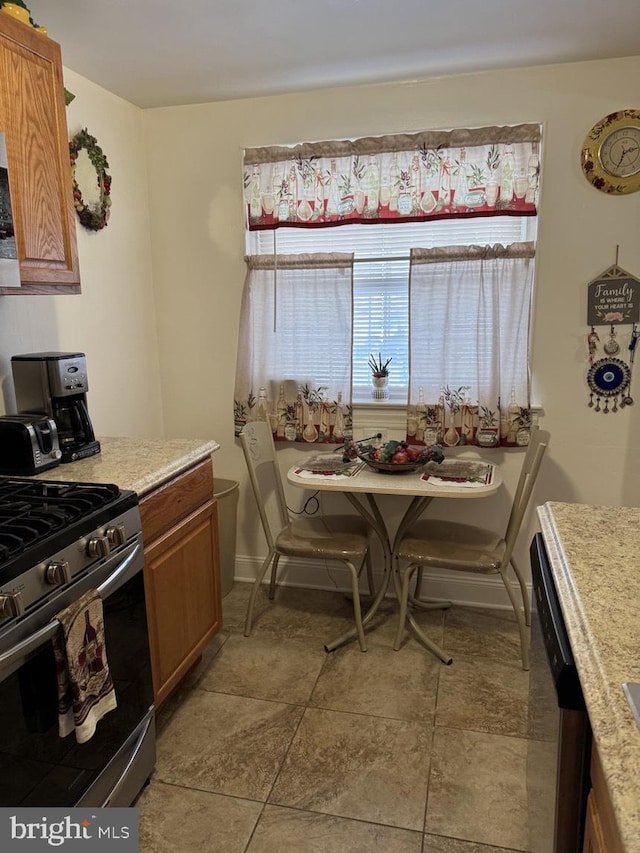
(195, 185)
(113, 319)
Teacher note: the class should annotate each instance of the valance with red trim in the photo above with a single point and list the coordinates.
(405, 177)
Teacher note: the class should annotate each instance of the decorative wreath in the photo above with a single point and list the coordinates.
(95, 217)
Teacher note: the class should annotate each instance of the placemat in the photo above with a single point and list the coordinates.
(459, 472)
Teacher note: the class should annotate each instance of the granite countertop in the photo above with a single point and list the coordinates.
(140, 464)
(594, 554)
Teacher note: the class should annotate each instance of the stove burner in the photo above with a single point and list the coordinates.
(33, 512)
(35, 491)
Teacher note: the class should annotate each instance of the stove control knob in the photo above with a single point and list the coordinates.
(58, 573)
(99, 546)
(11, 604)
(117, 535)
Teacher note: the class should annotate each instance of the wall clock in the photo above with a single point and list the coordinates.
(610, 155)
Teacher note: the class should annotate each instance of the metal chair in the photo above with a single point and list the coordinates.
(344, 538)
(463, 547)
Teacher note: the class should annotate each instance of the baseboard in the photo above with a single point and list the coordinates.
(457, 587)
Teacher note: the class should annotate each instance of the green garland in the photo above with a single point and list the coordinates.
(94, 218)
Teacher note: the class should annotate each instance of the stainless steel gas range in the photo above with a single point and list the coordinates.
(57, 541)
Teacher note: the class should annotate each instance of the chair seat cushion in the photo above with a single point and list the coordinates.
(325, 537)
(448, 545)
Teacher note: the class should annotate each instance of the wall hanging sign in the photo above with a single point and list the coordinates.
(613, 300)
(613, 297)
(91, 183)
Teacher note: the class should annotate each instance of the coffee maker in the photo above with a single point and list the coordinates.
(55, 384)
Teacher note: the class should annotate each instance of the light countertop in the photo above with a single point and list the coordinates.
(140, 464)
(595, 553)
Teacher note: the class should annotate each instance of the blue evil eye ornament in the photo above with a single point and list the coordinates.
(608, 378)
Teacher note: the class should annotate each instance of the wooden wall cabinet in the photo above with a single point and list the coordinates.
(33, 119)
(182, 574)
(601, 831)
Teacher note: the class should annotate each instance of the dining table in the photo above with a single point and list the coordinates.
(362, 486)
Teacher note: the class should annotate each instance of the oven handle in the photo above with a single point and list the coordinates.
(48, 631)
(134, 754)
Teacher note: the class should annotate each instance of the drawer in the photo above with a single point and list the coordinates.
(163, 508)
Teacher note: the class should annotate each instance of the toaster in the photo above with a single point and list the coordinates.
(28, 444)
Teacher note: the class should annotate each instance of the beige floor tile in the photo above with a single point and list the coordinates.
(185, 688)
(357, 766)
(439, 844)
(266, 668)
(384, 626)
(296, 613)
(178, 819)
(234, 607)
(487, 633)
(478, 789)
(281, 830)
(320, 614)
(401, 685)
(226, 744)
(481, 694)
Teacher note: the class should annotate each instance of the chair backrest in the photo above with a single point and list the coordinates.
(260, 455)
(538, 444)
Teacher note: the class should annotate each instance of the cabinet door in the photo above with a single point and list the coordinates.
(182, 580)
(593, 838)
(32, 116)
(601, 833)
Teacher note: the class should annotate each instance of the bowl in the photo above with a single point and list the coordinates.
(391, 467)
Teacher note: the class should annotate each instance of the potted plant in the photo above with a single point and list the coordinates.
(379, 376)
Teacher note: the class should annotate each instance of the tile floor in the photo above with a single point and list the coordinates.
(271, 745)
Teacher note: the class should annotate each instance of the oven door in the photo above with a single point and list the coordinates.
(37, 766)
(559, 743)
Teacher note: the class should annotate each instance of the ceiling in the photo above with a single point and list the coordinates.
(164, 52)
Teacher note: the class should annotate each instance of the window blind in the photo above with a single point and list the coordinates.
(381, 271)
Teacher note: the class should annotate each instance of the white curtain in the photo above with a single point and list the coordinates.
(295, 345)
(469, 309)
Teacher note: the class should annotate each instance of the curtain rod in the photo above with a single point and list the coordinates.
(379, 259)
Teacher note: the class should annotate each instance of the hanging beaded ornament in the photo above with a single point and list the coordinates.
(608, 379)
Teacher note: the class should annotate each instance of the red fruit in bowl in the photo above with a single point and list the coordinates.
(400, 457)
(413, 453)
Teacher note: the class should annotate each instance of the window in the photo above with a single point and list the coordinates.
(439, 229)
(381, 278)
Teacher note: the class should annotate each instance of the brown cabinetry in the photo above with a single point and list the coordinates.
(601, 831)
(182, 574)
(33, 119)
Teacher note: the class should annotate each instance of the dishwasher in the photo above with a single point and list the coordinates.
(559, 746)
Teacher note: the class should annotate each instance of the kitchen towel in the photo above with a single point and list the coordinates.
(85, 686)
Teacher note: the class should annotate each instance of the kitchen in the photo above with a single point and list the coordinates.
(159, 310)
